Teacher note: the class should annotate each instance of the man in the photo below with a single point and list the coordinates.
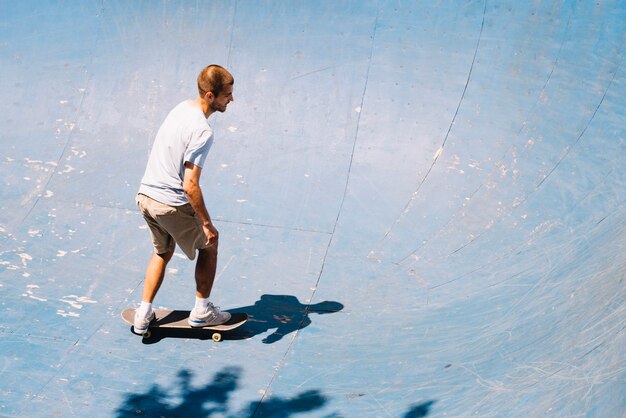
(171, 201)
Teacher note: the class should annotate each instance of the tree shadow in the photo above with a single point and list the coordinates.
(187, 400)
(284, 314)
(419, 410)
(205, 401)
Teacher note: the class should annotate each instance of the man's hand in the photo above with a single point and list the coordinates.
(212, 234)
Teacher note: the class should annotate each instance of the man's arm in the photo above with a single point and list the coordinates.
(191, 186)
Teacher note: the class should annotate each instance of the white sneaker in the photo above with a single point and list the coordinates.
(142, 322)
(211, 316)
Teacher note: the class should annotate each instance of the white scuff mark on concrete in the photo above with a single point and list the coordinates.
(30, 293)
(455, 162)
(25, 258)
(503, 169)
(372, 256)
(78, 153)
(66, 314)
(67, 169)
(76, 302)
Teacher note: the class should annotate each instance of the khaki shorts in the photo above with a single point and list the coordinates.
(171, 225)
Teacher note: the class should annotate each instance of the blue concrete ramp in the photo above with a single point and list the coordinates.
(420, 204)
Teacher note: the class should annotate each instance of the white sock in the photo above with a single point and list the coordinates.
(201, 304)
(145, 308)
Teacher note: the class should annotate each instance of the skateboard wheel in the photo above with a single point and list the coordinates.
(147, 334)
(217, 337)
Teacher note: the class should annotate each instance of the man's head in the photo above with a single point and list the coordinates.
(215, 86)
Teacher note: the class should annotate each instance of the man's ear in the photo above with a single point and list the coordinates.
(209, 97)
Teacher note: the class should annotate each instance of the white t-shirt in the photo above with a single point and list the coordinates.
(184, 136)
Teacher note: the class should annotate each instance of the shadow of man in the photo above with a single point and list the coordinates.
(283, 313)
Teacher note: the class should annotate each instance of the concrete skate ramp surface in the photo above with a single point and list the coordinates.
(421, 205)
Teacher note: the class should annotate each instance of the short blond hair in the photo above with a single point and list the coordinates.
(213, 78)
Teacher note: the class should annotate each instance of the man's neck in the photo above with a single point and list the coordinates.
(202, 105)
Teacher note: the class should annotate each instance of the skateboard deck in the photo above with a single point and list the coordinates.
(167, 318)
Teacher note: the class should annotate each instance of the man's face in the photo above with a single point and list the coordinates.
(221, 101)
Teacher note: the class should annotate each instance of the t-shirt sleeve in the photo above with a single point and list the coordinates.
(198, 148)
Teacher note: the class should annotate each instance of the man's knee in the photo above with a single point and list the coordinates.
(211, 250)
(166, 256)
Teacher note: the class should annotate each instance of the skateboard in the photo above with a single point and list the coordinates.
(167, 318)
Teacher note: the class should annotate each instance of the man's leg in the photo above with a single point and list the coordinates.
(205, 313)
(206, 267)
(154, 275)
